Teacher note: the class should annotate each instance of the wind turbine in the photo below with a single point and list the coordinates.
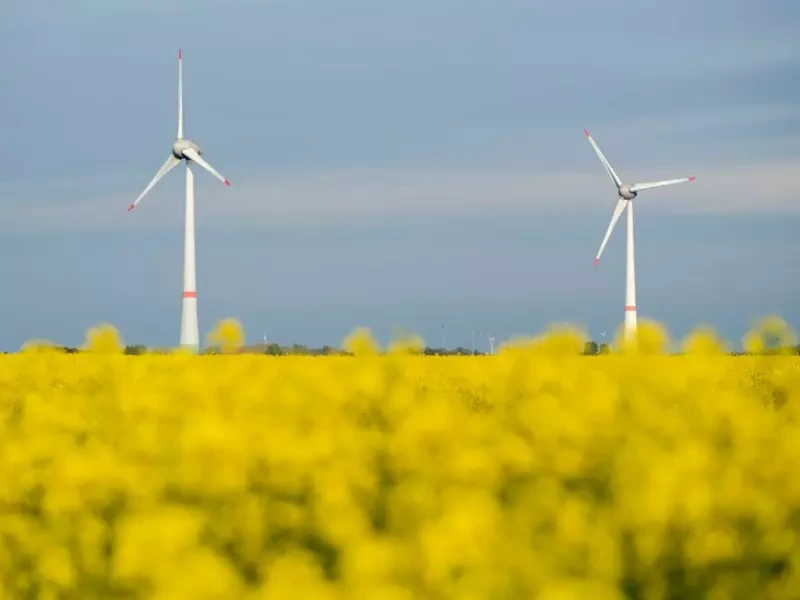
(626, 194)
(491, 343)
(185, 150)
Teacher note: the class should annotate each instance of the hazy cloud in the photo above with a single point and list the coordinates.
(314, 198)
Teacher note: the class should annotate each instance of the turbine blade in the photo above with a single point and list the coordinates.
(180, 94)
(165, 168)
(618, 210)
(192, 155)
(638, 187)
(603, 160)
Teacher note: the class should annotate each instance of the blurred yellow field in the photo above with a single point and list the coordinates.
(531, 474)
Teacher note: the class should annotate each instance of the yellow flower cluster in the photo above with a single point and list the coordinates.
(534, 473)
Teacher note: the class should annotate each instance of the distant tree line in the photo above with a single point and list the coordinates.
(769, 336)
(303, 350)
(591, 348)
(292, 350)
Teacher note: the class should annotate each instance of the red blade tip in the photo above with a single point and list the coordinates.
(131, 207)
(228, 183)
(692, 178)
(586, 131)
(596, 261)
(180, 54)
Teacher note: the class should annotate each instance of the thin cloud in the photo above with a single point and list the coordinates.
(331, 197)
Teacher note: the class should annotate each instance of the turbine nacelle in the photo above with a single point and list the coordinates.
(626, 192)
(180, 146)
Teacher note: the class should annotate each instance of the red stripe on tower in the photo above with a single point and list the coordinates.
(188, 294)
(630, 309)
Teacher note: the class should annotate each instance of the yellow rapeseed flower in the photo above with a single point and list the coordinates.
(103, 339)
(535, 473)
(227, 336)
(361, 343)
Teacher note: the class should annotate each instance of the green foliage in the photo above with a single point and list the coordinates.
(273, 350)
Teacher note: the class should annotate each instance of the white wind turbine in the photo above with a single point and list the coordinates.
(185, 150)
(626, 195)
(491, 343)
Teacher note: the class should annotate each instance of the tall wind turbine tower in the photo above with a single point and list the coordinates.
(626, 195)
(185, 150)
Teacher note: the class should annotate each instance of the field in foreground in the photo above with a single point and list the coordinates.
(525, 475)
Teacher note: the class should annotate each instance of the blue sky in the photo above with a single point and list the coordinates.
(409, 165)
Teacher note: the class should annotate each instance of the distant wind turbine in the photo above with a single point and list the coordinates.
(626, 195)
(185, 150)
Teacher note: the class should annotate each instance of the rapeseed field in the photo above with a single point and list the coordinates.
(534, 473)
